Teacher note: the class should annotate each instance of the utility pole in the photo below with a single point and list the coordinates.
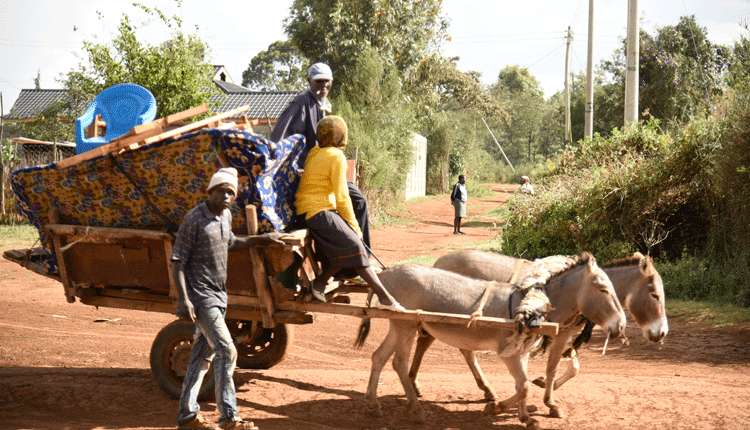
(631, 73)
(588, 130)
(568, 132)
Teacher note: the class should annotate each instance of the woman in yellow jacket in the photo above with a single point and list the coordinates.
(323, 200)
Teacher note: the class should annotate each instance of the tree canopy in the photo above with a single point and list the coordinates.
(176, 71)
(279, 68)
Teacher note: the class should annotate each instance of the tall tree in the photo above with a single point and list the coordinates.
(680, 71)
(522, 97)
(279, 68)
(176, 71)
(337, 31)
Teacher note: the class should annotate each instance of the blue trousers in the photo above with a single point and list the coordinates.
(212, 343)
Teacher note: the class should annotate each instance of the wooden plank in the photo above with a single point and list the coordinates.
(105, 234)
(260, 276)
(196, 125)
(548, 329)
(173, 294)
(70, 291)
(120, 143)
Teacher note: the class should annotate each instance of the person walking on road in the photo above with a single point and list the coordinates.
(199, 269)
(458, 198)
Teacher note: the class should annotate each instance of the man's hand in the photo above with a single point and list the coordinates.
(185, 310)
(273, 238)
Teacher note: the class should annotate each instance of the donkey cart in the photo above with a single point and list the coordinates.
(106, 219)
(129, 269)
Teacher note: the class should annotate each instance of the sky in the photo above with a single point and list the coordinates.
(45, 37)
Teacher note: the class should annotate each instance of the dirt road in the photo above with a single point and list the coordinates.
(71, 366)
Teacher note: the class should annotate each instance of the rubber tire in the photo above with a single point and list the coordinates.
(176, 338)
(269, 350)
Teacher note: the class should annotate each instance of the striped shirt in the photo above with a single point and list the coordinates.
(202, 245)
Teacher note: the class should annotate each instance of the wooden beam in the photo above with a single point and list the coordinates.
(260, 277)
(148, 131)
(488, 323)
(196, 125)
(105, 234)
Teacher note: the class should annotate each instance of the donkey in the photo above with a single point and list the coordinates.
(582, 290)
(637, 283)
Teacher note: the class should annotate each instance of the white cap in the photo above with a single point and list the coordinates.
(224, 176)
(320, 71)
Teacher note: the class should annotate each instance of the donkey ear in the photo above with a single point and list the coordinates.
(637, 255)
(647, 266)
(592, 262)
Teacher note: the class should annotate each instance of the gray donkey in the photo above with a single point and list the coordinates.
(582, 290)
(637, 283)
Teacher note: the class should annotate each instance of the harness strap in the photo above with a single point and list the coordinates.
(516, 271)
(478, 312)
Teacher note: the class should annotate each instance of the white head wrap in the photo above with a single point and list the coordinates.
(224, 176)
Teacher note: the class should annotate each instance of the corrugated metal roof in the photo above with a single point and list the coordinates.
(30, 103)
(273, 101)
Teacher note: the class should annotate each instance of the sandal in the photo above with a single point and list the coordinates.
(198, 423)
(239, 425)
(395, 307)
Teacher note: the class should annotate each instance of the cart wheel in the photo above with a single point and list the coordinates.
(170, 354)
(259, 347)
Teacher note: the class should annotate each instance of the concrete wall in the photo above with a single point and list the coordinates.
(416, 180)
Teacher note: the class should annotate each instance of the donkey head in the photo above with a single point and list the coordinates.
(645, 300)
(597, 299)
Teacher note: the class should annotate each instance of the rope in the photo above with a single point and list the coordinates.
(478, 312)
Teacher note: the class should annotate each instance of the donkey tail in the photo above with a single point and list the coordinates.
(362, 333)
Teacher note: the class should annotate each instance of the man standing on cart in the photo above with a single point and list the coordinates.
(199, 268)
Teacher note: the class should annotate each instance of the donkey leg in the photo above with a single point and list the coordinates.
(570, 372)
(482, 383)
(424, 341)
(379, 358)
(406, 333)
(516, 368)
(559, 343)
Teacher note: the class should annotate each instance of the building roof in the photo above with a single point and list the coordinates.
(273, 102)
(230, 87)
(30, 103)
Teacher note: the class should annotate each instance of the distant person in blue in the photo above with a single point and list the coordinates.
(199, 270)
(458, 198)
(302, 116)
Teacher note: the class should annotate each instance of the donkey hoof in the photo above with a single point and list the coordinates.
(419, 417)
(556, 412)
(540, 382)
(531, 408)
(493, 408)
(377, 413)
(533, 424)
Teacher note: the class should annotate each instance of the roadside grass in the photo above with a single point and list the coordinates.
(18, 236)
(714, 314)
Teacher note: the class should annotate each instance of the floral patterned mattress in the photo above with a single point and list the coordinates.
(153, 186)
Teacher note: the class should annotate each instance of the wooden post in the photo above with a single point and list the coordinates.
(260, 277)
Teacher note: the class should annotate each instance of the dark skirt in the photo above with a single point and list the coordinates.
(338, 241)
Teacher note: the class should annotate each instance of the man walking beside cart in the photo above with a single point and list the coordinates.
(199, 268)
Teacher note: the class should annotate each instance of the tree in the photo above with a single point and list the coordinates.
(522, 97)
(279, 68)
(176, 71)
(337, 32)
(680, 71)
